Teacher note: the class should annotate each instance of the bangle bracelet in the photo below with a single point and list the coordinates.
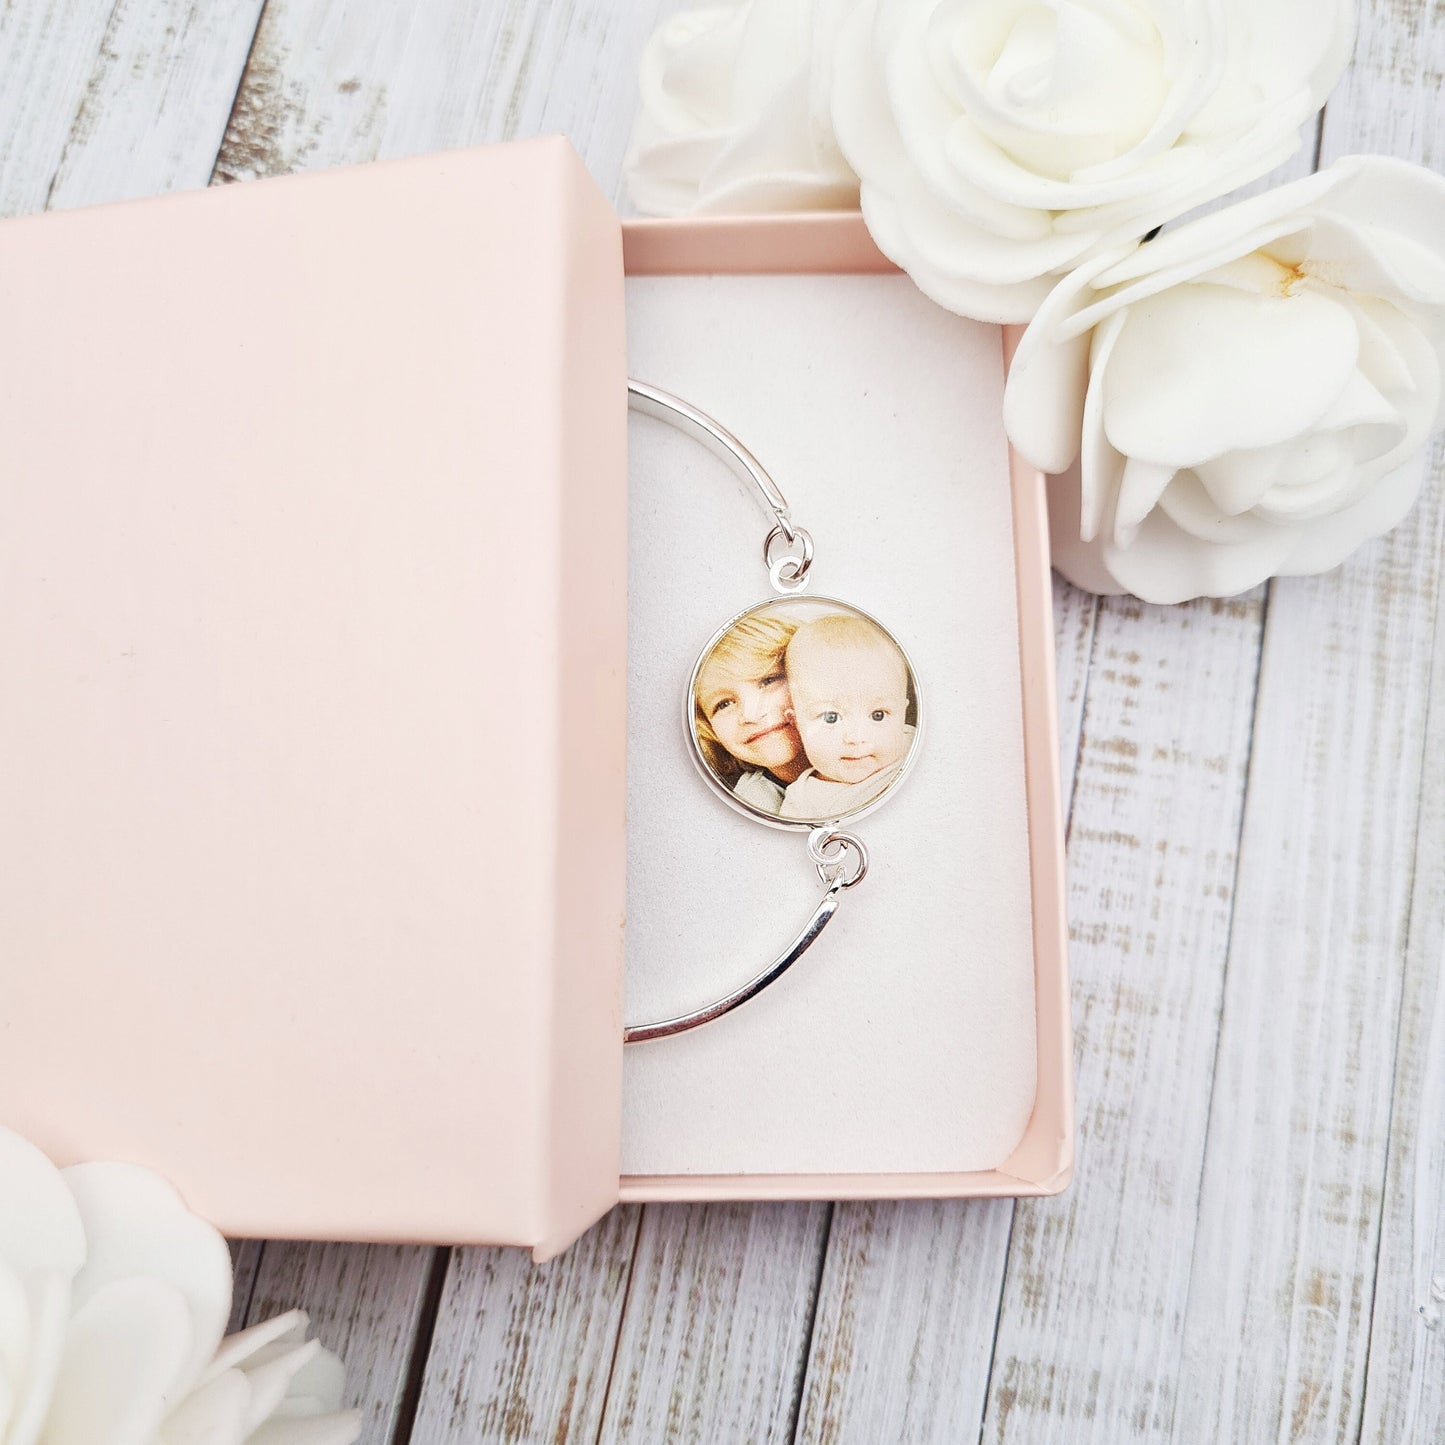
(802, 713)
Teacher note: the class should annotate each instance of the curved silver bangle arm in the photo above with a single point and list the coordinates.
(653, 401)
(828, 849)
(827, 907)
(789, 573)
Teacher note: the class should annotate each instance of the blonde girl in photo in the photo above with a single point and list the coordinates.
(743, 712)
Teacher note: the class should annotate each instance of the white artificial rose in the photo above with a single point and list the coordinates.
(1247, 396)
(113, 1302)
(735, 112)
(1002, 143)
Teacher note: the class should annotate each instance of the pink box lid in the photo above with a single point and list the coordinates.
(313, 619)
(313, 611)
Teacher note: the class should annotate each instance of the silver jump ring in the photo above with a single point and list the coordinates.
(789, 573)
(829, 848)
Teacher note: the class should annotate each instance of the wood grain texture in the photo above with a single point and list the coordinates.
(1075, 615)
(1279, 1303)
(1393, 100)
(1096, 1281)
(331, 82)
(245, 1261)
(103, 101)
(522, 1353)
(905, 1323)
(48, 53)
(1405, 1373)
(156, 102)
(371, 1304)
(1277, 1331)
(715, 1330)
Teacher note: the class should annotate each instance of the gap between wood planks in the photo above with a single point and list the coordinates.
(1233, 895)
(1420, 823)
(617, 1338)
(420, 1351)
(237, 100)
(800, 1386)
(1078, 750)
(1423, 823)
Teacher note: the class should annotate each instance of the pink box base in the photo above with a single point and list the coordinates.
(1043, 1161)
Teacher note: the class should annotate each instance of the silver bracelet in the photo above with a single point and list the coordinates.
(801, 713)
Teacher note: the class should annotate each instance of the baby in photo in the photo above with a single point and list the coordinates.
(849, 685)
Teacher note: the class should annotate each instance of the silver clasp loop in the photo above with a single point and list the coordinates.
(788, 572)
(831, 849)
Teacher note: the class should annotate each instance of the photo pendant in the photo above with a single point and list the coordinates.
(803, 712)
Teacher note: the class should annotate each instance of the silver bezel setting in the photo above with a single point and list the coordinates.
(798, 825)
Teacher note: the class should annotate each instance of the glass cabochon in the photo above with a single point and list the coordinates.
(804, 711)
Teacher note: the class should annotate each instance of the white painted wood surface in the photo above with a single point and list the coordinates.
(1256, 795)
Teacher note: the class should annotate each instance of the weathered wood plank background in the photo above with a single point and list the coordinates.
(1255, 1246)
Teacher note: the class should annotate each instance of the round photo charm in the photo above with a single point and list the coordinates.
(803, 711)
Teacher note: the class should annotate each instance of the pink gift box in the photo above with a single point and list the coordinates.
(295, 472)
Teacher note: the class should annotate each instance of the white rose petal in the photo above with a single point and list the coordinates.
(213, 1414)
(262, 1381)
(40, 1226)
(121, 1369)
(113, 1299)
(735, 112)
(42, 1247)
(1309, 338)
(1000, 145)
(1247, 395)
(317, 1430)
(137, 1226)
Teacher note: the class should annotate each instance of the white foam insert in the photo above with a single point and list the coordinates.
(904, 1040)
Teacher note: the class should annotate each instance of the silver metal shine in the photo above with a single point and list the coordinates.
(737, 804)
(653, 401)
(840, 858)
(665, 1028)
(787, 573)
(828, 848)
